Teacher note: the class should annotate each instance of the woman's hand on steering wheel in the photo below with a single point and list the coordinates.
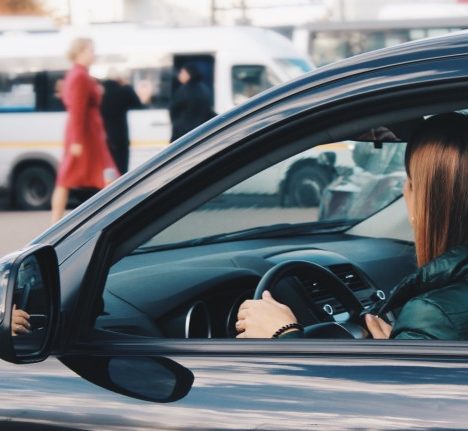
(262, 318)
(379, 329)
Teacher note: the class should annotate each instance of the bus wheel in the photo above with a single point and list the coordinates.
(305, 186)
(33, 188)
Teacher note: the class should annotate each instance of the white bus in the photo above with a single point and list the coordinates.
(236, 63)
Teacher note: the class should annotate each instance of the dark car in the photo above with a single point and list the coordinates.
(133, 297)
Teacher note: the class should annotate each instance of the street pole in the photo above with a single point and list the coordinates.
(243, 8)
(213, 12)
(342, 10)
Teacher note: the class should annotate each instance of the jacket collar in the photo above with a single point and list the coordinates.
(452, 266)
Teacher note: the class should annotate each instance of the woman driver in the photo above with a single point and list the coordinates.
(433, 300)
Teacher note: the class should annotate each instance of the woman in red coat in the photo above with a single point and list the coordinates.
(87, 161)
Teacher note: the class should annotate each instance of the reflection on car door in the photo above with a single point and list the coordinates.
(312, 389)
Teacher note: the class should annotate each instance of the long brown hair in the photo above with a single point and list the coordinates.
(437, 166)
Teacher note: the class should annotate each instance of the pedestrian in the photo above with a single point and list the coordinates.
(192, 102)
(86, 162)
(119, 97)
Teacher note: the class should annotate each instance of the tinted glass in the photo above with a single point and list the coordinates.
(345, 181)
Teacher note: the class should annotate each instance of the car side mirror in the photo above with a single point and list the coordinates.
(29, 304)
(147, 378)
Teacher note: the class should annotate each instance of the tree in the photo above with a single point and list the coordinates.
(21, 7)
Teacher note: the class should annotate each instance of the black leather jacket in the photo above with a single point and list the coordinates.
(433, 300)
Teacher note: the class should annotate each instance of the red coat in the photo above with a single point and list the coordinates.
(82, 98)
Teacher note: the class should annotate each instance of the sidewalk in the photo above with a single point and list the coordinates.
(19, 227)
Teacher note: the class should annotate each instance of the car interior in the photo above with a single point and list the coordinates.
(329, 262)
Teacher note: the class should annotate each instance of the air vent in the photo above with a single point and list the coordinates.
(317, 292)
(366, 302)
(349, 276)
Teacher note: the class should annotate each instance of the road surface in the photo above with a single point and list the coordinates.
(18, 228)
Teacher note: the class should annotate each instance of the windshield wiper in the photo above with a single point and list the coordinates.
(274, 231)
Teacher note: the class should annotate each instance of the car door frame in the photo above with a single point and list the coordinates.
(148, 189)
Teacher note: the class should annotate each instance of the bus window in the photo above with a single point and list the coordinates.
(249, 80)
(54, 92)
(28, 92)
(48, 91)
(17, 92)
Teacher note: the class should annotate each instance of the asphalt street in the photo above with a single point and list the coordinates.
(20, 227)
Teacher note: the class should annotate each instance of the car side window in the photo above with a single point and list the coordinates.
(177, 285)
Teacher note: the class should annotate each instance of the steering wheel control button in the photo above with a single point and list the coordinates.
(328, 309)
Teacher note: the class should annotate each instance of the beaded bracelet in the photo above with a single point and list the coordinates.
(285, 328)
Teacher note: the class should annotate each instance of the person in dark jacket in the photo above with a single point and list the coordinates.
(432, 303)
(118, 98)
(191, 104)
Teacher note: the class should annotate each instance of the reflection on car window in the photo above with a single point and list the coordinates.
(344, 181)
(375, 180)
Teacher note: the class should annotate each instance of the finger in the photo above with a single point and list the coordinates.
(22, 321)
(18, 329)
(268, 298)
(385, 327)
(246, 304)
(266, 295)
(242, 314)
(22, 313)
(241, 335)
(241, 325)
(14, 307)
(373, 325)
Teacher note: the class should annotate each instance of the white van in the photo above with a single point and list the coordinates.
(236, 63)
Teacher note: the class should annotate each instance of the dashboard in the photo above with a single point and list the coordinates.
(195, 292)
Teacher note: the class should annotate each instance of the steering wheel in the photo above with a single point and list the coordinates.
(335, 287)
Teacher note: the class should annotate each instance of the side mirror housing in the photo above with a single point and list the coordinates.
(29, 304)
(154, 379)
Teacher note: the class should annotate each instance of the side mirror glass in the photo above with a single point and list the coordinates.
(29, 304)
(154, 379)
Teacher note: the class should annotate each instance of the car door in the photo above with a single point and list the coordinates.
(259, 384)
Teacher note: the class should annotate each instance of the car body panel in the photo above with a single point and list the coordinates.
(299, 391)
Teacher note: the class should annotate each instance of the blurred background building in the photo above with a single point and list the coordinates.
(327, 30)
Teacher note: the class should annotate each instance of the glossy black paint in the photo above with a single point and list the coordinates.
(252, 384)
(299, 391)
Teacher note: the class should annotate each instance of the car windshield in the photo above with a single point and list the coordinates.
(293, 67)
(326, 188)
